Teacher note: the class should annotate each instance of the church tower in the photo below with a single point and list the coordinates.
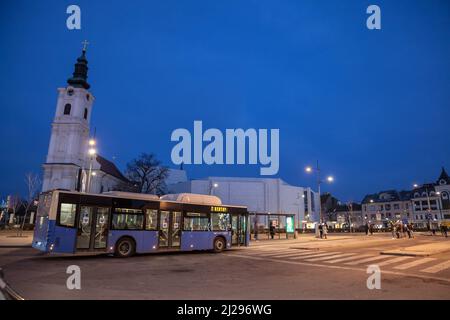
(67, 153)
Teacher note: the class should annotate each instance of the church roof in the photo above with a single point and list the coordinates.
(79, 77)
(444, 176)
(110, 168)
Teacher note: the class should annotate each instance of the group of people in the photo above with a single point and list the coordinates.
(399, 230)
(444, 229)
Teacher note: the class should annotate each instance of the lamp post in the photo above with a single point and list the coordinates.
(92, 152)
(329, 179)
(212, 187)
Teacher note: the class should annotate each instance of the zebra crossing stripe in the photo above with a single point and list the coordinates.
(414, 263)
(292, 253)
(438, 267)
(348, 258)
(366, 260)
(270, 254)
(393, 260)
(307, 256)
(330, 257)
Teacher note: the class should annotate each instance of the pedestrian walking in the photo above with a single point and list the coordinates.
(392, 229)
(321, 231)
(272, 231)
(366, 228)
(371, 229)
(444, 230)
(325, 230)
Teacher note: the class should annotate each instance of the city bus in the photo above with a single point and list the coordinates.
(124, 223)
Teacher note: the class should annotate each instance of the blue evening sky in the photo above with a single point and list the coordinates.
(372, 106)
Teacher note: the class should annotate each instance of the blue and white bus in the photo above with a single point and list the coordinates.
(124, 223)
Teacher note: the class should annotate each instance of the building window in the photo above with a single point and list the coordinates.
(67, 214)
(152, 219)
(67, 108)
(396, 206)
(87, 97)
(444, 195)
(85, 113)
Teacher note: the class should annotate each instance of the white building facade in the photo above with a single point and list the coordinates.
(260, 195)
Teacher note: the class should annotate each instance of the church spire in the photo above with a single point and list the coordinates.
(79, 78)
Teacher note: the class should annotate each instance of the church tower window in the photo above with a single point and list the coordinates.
(67, 108)
(85, 113)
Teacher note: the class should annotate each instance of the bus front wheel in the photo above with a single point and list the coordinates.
(125, 248)
(219, 245)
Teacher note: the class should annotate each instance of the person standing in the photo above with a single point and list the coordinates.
(321, 231)
(325, 230)
(366, 228)
(272, 230)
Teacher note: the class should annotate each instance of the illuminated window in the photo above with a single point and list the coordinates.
(152, 219)
(67, 214)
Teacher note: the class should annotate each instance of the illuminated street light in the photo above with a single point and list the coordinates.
(371, 200)
(91, 142)
(329, 179)
(215, 185)
(415, 185)
(92, 151)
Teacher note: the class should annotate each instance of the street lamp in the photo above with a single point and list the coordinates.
(329, 179)
(214, 185)
(92, 152)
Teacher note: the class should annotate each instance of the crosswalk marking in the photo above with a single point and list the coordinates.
(287, 254)
(438, 267)
(274, 253)
(348, 258)
(330, 257)
(393, 260)
(307, 256)
(414, 263)
(366, 260)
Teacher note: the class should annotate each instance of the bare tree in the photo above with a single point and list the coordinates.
(33, 183)
(146, 175)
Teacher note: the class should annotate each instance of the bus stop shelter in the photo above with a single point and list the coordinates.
(283, 226)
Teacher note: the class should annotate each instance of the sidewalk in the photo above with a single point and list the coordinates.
(9, 239)
(421, 250)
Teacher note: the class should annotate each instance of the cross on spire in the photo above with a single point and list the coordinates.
(85, 44)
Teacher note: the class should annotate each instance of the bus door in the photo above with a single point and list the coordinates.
(169, 229)
(238, 230)
(92, 228)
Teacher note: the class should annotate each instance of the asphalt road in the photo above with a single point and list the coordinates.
(298, 269)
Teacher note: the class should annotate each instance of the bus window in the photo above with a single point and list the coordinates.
(220, 221)
(196, 222)
(152, 219)
(67, 214)
(134, 220)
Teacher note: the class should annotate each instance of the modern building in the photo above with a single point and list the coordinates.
(263, 196)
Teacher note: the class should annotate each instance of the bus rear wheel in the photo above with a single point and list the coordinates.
(125, 248)
(219, 245)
